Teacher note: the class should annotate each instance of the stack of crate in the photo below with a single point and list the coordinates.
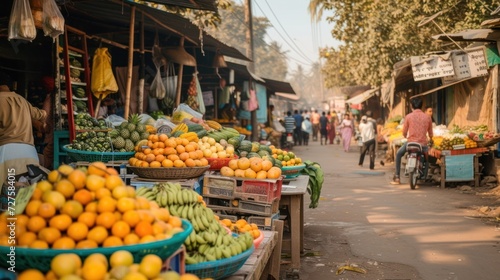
(252, 199)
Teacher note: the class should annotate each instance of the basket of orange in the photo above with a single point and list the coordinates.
(85, 212)
(169, 172)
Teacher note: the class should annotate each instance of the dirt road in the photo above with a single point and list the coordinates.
(392, 232)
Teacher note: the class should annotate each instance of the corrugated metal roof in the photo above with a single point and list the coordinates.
(478, 35)
(243, 70)
(279, 86)
(110, 19)
(208, 5)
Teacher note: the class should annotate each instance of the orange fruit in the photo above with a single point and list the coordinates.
(143, 228)
(190, 162)
(49, 235)
(180, 149)
(256, 164)
(39, 244)
(36, 223)
(175, 221)
(55, 198)
(167, 163)
(179, 163)
(86, 244)
(32, 208)
(112, 241)
(120, 229)
(149, 158)
(88, 218)
(112, 171)
(77, 178)
(100, 193)
(26, 238)
(78, 231)
(83, 196)
(274, 173)
(227, 171)
(169, 151)
(98, 234)
(130, 239)
(131, 191)
(125, 204)
(134, 275)
(44, 185)
(72, 208)
(204, 161)
(188, 276)
(106, 219)
(261, 175)
(94, 270)
(37, 194)
(95, 182)
(65, 264)
(147, 238)
(151, 266)
(120, 192)
(22, 219)
(161, 214)
(155, 164)
(60, 222)
(162, 137)
(142, 203)
(160, 158)
(31, 274)
(91, 207)
(54, 176)
(64, 243)
(243, 163)
(146, 216)
(65, 187)
(97, 168)
(249, 173)
(121, 258)
(183, 156)
(266, 165)
(171, 142)
(50, 275)
(106, 204)
(131, 217)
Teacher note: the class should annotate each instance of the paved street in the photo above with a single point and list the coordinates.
(392, 231)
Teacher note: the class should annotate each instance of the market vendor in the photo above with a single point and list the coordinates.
(16, 131)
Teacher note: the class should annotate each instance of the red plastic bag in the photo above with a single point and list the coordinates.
(21, 23)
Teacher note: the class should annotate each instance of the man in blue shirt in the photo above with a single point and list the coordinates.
(297, 133)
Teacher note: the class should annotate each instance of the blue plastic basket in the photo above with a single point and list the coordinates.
(40, 258)
(220, 268)
(79, 155)
(292, 171)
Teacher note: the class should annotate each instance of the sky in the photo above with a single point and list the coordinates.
(293, 30)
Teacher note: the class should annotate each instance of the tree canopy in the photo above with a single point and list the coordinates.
(375, 34)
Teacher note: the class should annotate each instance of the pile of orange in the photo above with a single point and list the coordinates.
(89, 208)
(164, 151)
(287, 158)
(96, 266)
(251, 168)
(242, 226)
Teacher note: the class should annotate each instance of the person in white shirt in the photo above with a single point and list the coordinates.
(368, 138)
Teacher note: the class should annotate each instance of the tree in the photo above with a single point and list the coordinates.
(378, 33)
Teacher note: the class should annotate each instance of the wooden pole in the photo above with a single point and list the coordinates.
(179, 79)
(251, 65)
(141, 68)
(130, 62)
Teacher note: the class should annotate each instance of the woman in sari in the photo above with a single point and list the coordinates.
(347, 127)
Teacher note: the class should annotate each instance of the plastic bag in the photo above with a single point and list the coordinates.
(157, 89)
(21, 23)
(103, 80)
(52, 19)
(253, 103)
(115, 120)
(199, 97)
(170, 81)
(184, 112)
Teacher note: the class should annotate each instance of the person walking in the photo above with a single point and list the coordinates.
(315, 123)
(331, 128)
(297, 133)
(416, 127)
(17, 144)
(347, 127)
(368, 138)
(306, 130)
(323, 127)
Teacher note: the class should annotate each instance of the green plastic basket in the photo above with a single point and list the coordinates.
(78, 155)
(220, 268)
(40, 259)
(292, 171)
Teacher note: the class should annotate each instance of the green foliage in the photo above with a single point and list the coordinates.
(378, 33)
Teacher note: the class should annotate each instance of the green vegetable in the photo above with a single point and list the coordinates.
(316, 179)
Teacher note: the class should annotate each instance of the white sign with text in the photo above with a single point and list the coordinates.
(431, 67)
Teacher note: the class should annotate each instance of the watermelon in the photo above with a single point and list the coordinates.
(255, 147)
(246, 146)
(252, 154)
(265, 148)
(235, 141)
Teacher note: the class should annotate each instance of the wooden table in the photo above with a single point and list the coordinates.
(254, 267)
(464, 169)
(292, 196)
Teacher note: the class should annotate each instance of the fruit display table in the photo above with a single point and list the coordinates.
(460, 165)
(292, 196)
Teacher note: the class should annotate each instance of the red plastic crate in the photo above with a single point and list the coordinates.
(265, 191)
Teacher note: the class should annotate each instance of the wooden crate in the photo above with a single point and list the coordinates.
(258, 208)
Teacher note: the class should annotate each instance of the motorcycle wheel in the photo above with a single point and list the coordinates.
(413, 179)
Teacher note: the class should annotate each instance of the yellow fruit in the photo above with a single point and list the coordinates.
(150, 266)
(55, 198)
(54, 176)
(65, 264)
(121, 258)
(31, 274)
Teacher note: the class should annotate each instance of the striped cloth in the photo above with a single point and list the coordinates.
(289, 124)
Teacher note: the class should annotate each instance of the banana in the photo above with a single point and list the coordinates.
(170, 197)
(218, 253)
(200, 239)
(226, 240)
(226, 252)
(243, 245)
(203, 248)
(180, 200)
(185, 197)
(187, 242)
(173, 210)
(158, 198)
(190, 212)
(185, 211)
(150, 196)
(195, 225)
(238, 248)
(218, 241)
(141, 191)
(190, 260)
(205, 221)
(200, 223)
(164, 199)
(234, 252)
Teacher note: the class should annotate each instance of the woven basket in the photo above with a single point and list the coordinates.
(40, 259)
(168, 172)
(292, 171)
(220, 268)
(487, 143)
(78, 155)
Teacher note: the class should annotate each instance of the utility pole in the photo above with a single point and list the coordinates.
(251, 65)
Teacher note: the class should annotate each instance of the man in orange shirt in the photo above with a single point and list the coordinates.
(315, 124)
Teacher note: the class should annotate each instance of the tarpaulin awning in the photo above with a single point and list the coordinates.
(208, 5)
(279, 87)
(360, 98)
(441, 87)
(288, 95)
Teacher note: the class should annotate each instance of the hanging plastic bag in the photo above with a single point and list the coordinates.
(157, 89)
(253, 103)
(52, 19)
(103, 80)
(199, 97)
(170, 81)
(21, 23)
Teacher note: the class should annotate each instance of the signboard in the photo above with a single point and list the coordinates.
(478, 64)
(470, 64)
(208, 98)
(431, 67)
(461, 66)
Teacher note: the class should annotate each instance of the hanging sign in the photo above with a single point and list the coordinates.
(477, 62)
(431, 67)
(461, 66)
(208, 98)
(470, 64)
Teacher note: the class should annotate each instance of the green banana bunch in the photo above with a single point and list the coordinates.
(316, 179)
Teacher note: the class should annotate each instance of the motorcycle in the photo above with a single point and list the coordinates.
(289, 141)
(415, 163)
